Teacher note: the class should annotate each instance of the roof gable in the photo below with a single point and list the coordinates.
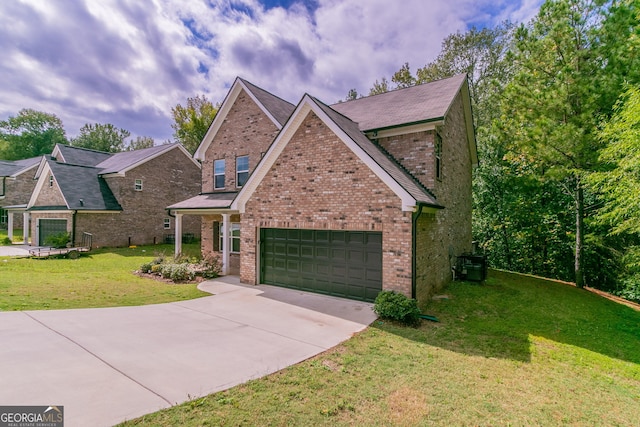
(400, 182)
(276, 109)
(81, 186)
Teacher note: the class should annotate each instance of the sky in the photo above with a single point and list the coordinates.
(128, 62)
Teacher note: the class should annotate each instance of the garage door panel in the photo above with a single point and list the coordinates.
(335, 262)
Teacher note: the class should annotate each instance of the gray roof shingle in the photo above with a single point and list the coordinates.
(14, 167)
(416, 104)
(118, 162)
(82, 156)
(207, 201)
(279, 108)
(82, 187)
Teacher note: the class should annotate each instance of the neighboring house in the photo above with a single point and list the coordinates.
(16, 185)
(347, 199)
(119, 198)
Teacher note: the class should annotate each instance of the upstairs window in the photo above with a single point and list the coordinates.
(138, 185)
(242, 170)
(218, 174)
(438, 148)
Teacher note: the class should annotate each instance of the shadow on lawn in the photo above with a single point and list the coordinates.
(497, 318)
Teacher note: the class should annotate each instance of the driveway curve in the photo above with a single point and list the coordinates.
(108, 365)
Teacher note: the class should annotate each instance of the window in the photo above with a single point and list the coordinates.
(218, 174)
(4, 216)
(50, 180)
(138, 185)
(242, 170)
(234, 237)
(167, 223)
(438, 156)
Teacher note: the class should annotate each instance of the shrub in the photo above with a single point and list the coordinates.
(211, 266)
(156, 268)
(396, 306)
(58, 240)
(146, 268)
(6, 241)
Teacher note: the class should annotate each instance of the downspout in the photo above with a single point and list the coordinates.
(73, 228)
(414, 232)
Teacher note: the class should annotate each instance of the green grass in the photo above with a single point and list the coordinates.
(516, 351)
(102, 278)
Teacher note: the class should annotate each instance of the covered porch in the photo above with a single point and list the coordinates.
(18, 210)
(220, 226)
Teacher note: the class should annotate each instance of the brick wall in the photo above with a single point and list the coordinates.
(36, 216)
(318, 183)
(246, 130)
(414, 151)
(166, 179)
(18, 192)
(446, 234)
(207, 240)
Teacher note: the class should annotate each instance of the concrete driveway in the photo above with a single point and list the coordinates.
(108, 365)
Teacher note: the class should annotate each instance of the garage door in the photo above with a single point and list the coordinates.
(48, 227)
(340, 263)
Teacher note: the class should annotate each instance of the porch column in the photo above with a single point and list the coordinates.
(25, 227)
(226, 243)
(10, 225)
(178, 236)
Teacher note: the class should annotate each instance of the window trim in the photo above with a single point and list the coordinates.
(238, 171)
(219, 174)
(137, 185)
(232, 225)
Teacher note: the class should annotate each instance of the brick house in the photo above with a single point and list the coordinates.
(347, 199)
(119, 198)
(16, 186)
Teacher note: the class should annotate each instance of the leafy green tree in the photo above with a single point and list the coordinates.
(403, 78)
(30, 133)
(353, 94)
(550, 108)
(619, 183)
(101, 137)
(192, 122)
(141, 142)
(379, 87)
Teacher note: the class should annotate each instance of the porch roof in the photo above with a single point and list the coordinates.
(218, 200)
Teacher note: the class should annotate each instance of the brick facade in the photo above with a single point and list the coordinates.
(246, 130)
(414, 151)
(446, 234)
(17, 191)
(319, 183)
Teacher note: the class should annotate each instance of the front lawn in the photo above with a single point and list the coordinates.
(102, 278)
(516, 351)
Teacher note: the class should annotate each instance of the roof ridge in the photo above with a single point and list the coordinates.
(84, 149)
(248, 83)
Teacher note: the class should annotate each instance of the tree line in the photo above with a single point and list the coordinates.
(556, 105)
(32, 133)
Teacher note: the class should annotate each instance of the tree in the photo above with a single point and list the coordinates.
(30, 133)
(551, 107)
(403, 78)
(101, 137)
(141, 142)
(379, 87)
(192, 122)
(619, 182)
(353, 94)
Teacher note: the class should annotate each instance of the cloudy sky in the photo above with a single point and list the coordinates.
(128, 62)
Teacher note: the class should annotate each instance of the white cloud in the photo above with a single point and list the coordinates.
(128, 62)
